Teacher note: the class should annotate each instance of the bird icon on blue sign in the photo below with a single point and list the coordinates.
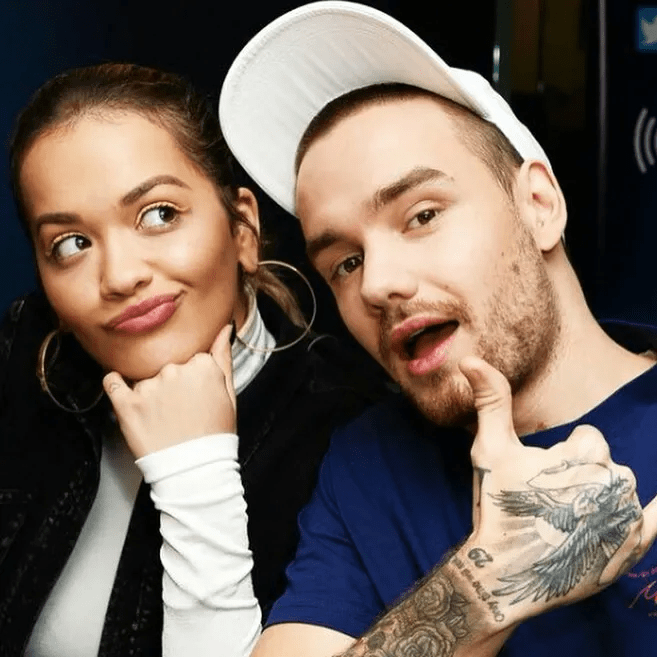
(646, 32)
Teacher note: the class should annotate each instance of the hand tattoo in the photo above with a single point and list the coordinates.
(594, 518)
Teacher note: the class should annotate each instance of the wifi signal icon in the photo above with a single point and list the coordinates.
(645, 141)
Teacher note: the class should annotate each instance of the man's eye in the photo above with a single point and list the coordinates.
(423, 218)
(158, 216)
(68, 245)
(348, 266)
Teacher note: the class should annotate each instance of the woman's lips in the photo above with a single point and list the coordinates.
(149, 320)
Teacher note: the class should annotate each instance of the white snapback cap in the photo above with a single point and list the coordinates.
(313, 54)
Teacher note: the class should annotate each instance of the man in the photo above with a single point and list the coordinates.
(435, 218)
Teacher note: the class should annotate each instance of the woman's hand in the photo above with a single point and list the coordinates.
(180, 403)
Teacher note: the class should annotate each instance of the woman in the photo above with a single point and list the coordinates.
(147, 256)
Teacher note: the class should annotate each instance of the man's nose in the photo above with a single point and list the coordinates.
(388, 276)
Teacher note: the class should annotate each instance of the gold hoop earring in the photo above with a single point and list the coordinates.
(309, 325)
(41, 374)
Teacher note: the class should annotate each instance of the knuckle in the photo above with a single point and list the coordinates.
(599, 449)
(480, 454)
(198, 361)
(626, 475)
(168, 370)
(635, 544)
(588, 442)
(142, 389)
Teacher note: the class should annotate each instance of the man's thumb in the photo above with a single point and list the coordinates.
(492, 400)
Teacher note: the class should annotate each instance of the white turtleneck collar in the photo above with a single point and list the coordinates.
(247, 362)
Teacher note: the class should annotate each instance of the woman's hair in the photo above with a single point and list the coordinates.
(163, 98)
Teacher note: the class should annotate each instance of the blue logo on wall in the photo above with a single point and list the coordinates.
(646, 29)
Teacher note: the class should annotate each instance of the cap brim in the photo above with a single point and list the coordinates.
(281, 80)
(297, 64)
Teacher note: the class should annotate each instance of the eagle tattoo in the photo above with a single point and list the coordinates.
(594, 519)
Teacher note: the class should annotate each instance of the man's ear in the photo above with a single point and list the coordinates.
(247, 238)
(541, 203)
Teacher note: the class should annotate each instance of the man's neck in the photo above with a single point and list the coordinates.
(587, 368)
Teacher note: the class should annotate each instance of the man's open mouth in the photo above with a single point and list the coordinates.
(419, 343)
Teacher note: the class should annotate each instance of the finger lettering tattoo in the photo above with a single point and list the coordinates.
(431, 622)
(594, 519)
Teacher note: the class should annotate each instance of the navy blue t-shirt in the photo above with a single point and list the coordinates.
(394, 495)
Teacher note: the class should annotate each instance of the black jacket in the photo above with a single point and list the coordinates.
(50, 465)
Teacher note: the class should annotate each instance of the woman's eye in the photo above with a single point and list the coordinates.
(158, 216)
(423, 218)
(68, 246)
(347, 266)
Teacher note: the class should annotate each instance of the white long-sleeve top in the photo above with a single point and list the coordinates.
(209, 604)
(208, 601)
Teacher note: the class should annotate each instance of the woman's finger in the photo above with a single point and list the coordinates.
(116, 388)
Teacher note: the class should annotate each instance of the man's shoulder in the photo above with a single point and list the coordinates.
(635, 336)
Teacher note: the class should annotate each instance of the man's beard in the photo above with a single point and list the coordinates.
(517, 334)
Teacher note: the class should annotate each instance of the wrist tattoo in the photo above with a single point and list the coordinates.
(431, 622)
(480, 557)
(479, 590)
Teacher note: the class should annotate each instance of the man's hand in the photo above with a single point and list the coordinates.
(179, 403)
(550, 526)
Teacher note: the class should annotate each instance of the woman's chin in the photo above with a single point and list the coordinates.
(138, 369)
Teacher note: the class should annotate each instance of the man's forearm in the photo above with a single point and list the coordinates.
(445, 616)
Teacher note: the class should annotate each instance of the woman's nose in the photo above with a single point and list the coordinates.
(123, 270)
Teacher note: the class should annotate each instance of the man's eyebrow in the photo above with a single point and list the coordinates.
(317, 244)
(145, 187)
(412, 179)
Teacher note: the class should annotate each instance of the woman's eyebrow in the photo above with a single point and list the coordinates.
(145, 187)
(60, 218)
(68, 218)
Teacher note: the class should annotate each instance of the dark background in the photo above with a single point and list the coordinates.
(571, 69)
